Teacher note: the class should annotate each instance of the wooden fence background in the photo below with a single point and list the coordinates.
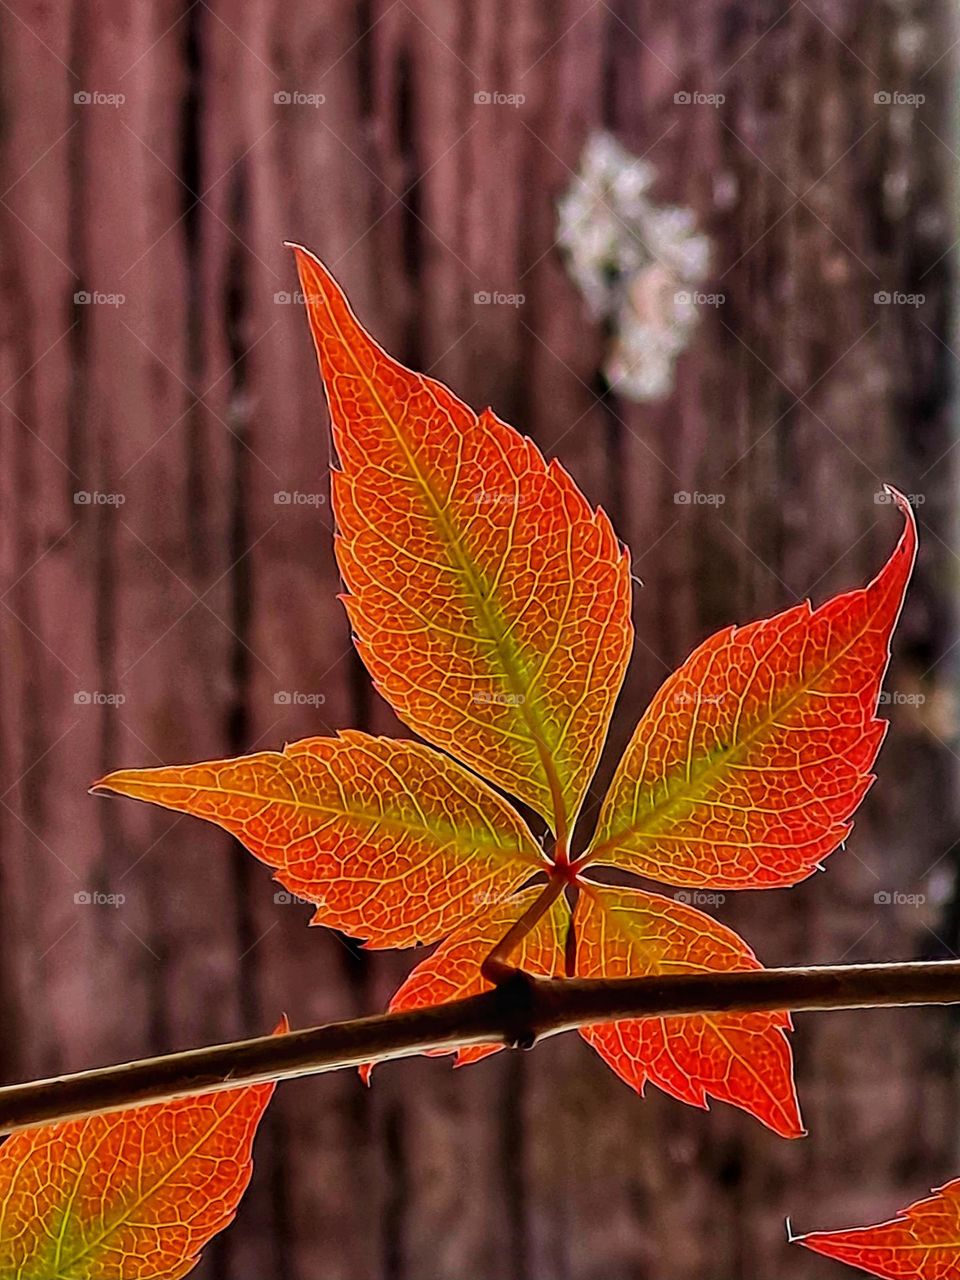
(201, 601)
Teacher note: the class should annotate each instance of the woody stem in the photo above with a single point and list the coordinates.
(518, 1011)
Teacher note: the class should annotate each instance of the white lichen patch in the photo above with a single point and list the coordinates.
(639, 265)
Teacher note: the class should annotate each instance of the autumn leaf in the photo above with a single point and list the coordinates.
(394, 842)
(131, 1195)
(746, 767)
(739, 1058)
(921, 1243)
(491, 604)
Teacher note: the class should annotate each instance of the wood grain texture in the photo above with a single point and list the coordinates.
(201, 599)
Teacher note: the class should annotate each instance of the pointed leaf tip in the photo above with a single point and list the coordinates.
(921, 1243)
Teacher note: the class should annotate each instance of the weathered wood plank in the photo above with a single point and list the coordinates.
(198, 401)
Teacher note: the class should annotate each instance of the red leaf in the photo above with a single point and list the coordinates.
(739, 1058)
(748, 764)
(394, 842)
(923, 1243)
(491, 603)
(132, 1195)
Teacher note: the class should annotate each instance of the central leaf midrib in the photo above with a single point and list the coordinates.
(487, 617)
(398, 825)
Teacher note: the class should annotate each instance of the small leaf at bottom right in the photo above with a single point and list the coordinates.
(743, 1059)
(923, 1243)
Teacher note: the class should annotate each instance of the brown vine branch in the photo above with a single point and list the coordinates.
(519, 1011)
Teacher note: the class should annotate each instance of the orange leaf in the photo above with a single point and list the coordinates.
(453, 971)
(743, 1059)
(394, 842)
(490, 601)
(747, 766)
(491, 604)
(923, 1243)
(132, 1195)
